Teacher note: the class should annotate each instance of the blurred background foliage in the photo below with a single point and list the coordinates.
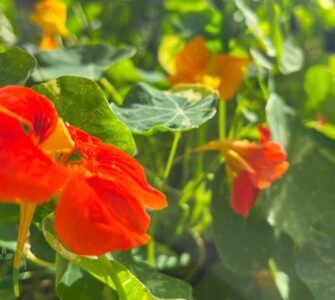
(285, 249)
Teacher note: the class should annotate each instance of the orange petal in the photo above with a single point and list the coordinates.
(110, 162)
(268, 161)
(244, 194)
(230, 70)
(95, 216)
(191, 62)
(48, 42)
(264, 133)
(26, 173)
(29, 107)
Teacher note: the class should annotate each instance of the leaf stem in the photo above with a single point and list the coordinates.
(172, 155)
(26, 215)
(112, 90)
(222, 119)
(113, 273)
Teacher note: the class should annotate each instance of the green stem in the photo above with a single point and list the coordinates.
(201, 139)
(151, 252)
(172, 155)
(222, 119)
(113, 273)
(111, 89)
(33, 258)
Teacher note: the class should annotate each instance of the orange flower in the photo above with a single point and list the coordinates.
(102, 191)
(50, 15)
(252, 167)
(194, 64)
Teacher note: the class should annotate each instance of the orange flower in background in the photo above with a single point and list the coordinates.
(50, 15)
(102, 191)
(252, 167)
(194, 64)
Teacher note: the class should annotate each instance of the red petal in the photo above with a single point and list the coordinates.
(95, 216)
(244, 194)
(26, 173)
(119, 167)
(29, 107)
(264, 132)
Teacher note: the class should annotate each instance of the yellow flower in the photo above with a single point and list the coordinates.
(50, 15)
(194, 64)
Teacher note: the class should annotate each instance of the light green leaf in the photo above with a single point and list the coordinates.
(16, 66)
(144, 288)
(316, 262)
(292, 59)
(147, 110)
(81, 102)
(89, 61)
(303, 194)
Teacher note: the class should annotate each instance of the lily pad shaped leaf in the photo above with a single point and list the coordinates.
(147, 110)
(89, 61)
(16, 66)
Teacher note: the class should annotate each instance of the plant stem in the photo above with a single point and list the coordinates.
(33, 258)
(26, 215)
(172, 155)
(111, 89)
(113, 273)
(201, 139)
(222, 119)
(151, 251)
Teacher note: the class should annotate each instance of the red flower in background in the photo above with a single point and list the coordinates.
(102, 191)
(252, 167)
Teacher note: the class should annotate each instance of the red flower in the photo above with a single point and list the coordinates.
(252, 167)
(102, 191)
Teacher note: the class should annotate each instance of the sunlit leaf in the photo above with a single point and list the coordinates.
(147, 110)
(82, 103)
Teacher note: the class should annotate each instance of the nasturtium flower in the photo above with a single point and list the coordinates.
(251, 166)
(50, 15)
(194, 64)
(102, 192)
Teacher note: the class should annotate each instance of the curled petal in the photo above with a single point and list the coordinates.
(264, 133)
(95, 216)
(29, 107)
(267, 160)
(26, 173)
(244, 194)
(110, 162)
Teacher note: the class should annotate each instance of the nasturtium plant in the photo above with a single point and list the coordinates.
(167, 150)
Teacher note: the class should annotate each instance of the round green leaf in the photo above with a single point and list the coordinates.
(82, 103)
(305, 192)
(316, 262)
(89, 61)
(147, 110)
(16, 66)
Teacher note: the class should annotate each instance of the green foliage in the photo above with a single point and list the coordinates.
(90, 61)
(16, 66)
(93, 115)
(147, 110)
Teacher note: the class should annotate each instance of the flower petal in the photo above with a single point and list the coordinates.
(95, 216)
(29, 107)
(26, 173)
(191, 62)
(112, 163)
(244, 194)
(230, 70)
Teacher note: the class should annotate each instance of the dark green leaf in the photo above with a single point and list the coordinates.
(147, 110)
(316, 262)
(81, 102)
(89, 61)
(304, 193)
(244, 245)
(16, 66)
